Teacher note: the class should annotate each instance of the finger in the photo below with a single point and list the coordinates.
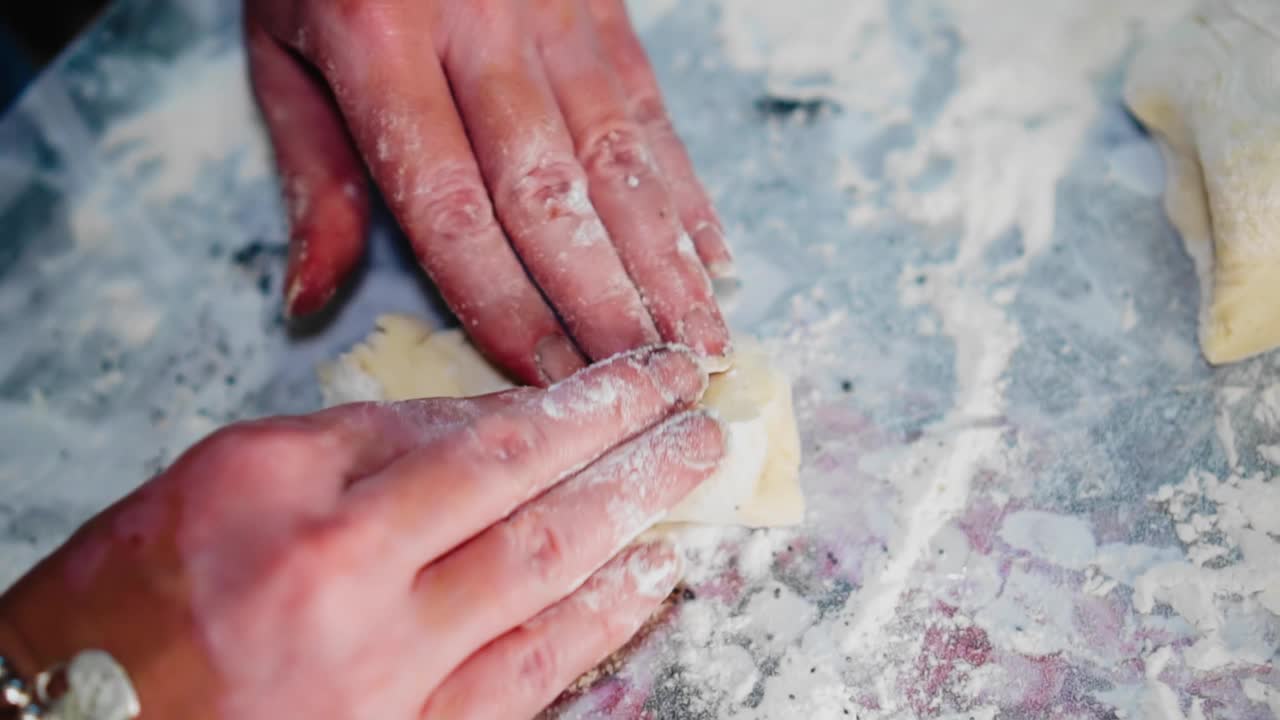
(494, 464)
(323, 179)
(626, 185)
(626, 55)
(377, 433)
(539, 189)
(545, 549)
(398, 103)
(523, 671)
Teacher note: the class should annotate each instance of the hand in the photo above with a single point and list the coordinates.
(396, 561)
(506, 135)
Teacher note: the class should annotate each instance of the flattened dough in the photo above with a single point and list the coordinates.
(756, 486)
(1210, 91)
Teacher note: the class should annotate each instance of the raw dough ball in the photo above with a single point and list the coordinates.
(757, 485)
(1210, 90)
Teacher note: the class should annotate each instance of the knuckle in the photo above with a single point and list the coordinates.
(555, 187)
(506, 440)
(258, 447)
(296, 571)
(538, 666)
(367, 19)
(619, 152)
(456, 206)
(650, 112)
(543, 546)
(332, 542)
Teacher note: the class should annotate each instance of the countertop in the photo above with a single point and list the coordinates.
(1028, 494)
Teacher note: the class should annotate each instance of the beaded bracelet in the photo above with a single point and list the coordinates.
(93, 686)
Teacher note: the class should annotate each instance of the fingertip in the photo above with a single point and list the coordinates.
(654, 568)
(704, 331)
(302, 298)
(721, 269)
(328, 226)
(716, 364)
(676, 372)
(557, 358)
(713, 250)
(701, 436)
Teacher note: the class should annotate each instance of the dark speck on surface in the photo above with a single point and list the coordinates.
(846, 385)
(783, 107)
(252, 250)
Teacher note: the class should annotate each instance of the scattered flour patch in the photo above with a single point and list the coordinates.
(1060, 539)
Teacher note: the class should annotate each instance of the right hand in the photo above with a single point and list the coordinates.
(525, 149)
(422, 559)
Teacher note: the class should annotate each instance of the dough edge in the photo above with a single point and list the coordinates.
(1205, 100)
(403, 358)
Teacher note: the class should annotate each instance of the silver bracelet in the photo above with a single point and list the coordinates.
(93, 686)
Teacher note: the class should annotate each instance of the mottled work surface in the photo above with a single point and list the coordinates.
(1029, 496)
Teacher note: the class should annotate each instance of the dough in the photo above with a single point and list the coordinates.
(1210, 91)
(757, 485)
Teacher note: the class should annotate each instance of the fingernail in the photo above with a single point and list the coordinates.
(721, 270)
(293, 291)
(557, 357)
(704, 331)
(718, 258)
(302, 294)
(676, 371)
(301, 299)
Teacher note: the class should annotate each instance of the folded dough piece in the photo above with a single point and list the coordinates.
(757, 485)
(1210, 91)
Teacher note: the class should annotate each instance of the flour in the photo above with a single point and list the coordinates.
(1066, 541)
(905, 622)
(1025, 98)
(1268, 408)
(1024, 101)
(1235, 608)
(777, 39)
(207, 116)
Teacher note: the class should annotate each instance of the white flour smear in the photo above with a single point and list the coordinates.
(1025, 98)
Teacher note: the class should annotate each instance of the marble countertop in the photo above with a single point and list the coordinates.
(953, 239)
